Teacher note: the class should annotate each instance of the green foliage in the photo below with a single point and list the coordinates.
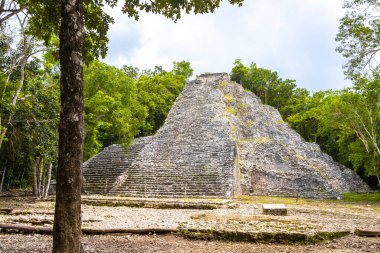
(112, 111)
(359, 36)
(172, 9)
(122, 103)
(269, 87)
(182, 68)
(45, 20)
(131, 72)
(157, 93)
(33, 125)
(346, 125)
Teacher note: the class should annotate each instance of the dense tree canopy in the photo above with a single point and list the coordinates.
(112, 111)
(121, 104)
(269, 87)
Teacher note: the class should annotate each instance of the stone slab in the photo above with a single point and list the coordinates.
(275, 209)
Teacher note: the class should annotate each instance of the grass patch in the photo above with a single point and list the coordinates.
(260, 237)
(373, 197)
(270, 200)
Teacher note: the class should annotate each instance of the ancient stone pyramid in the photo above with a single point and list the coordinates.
(219, 141)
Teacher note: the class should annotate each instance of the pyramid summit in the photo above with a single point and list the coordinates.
(219, 141)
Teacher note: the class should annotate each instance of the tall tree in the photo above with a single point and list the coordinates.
(359, 36)
(67, 227)
(67, 221)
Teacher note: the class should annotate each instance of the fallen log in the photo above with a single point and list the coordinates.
(27, 212)
(6, 227)
(5, 210)
(97, 231)
(367, 233)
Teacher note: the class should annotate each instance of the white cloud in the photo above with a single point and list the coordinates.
(292, 37)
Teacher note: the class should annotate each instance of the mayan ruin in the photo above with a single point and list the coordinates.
(219, 141)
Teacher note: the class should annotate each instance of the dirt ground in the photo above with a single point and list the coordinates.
(246, 215)
(172, 243)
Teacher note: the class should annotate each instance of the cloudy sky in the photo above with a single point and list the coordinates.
(293, 37)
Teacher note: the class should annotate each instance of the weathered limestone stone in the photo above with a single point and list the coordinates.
(275, 209)
(219, 141)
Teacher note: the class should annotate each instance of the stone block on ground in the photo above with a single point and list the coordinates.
(275, 209)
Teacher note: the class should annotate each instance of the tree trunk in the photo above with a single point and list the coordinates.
(67, 217)
(43, 183)
(39, 177)
(46, 193)
(35, 178)
(2, 179)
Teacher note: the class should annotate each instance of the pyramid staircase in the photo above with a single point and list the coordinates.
(101, 171)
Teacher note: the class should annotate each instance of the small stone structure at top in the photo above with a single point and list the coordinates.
(219, 141)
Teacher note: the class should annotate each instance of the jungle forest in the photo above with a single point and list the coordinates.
(123, 103)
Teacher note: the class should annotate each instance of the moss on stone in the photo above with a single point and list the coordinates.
(223, 83)
(229, 98)
(231, 110)
(242, 105)
(261, 140)
(260, 237)
(156, 205)
(248, 123)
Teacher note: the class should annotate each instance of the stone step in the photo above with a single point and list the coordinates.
(103, 170)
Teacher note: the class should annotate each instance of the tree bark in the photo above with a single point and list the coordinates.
(35, 178)
(46, 193)
(39, 177)
(67, 217)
